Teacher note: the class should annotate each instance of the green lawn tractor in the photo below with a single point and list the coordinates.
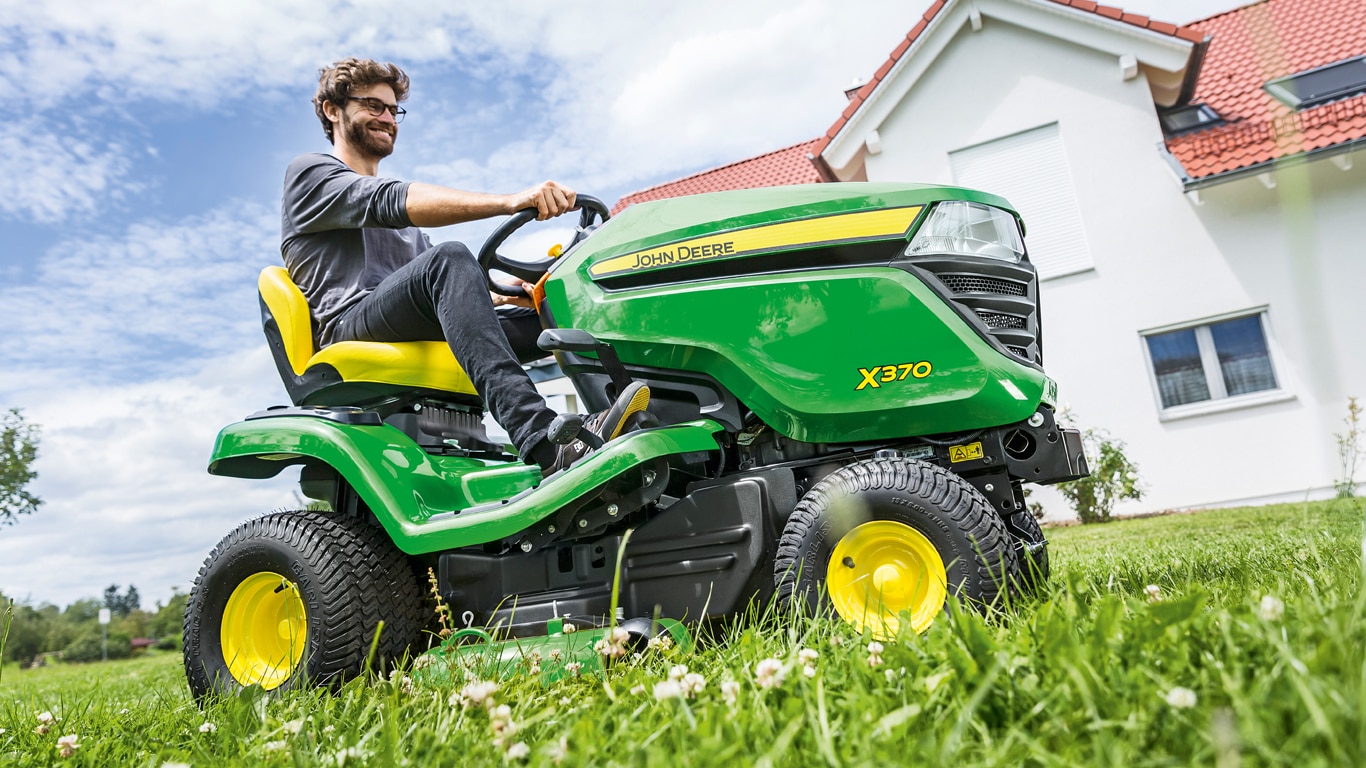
(847, 396)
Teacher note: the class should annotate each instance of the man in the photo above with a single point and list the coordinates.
(351, 242)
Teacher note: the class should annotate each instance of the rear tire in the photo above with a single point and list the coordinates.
(881, 539)
(293, 599)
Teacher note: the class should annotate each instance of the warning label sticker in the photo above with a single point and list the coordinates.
(967, 452)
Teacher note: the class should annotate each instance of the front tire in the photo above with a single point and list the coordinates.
(884, 542)
(294, 599)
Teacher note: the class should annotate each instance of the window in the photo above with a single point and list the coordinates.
(1030, 170)
(1321, 85)
(1192, 117)
(1220, 360)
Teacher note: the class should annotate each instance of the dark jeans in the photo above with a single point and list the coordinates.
(442, 296)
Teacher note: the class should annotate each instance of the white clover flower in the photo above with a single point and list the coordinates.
(293, 726)
(668, 689)
(875, 654)
(692, 684)
(808, 670)
(1153, 592)
(890, 674)
(637, 690)
(730, 691)
(477, 692)
(67, 745)
(2, 731)
(769, 673)
(329, 728)
(347, 755)
(677, 671)
(573, 667)
(276, 746)
(565, 701)
(808, 655)
(1272, 609)
(404, 683)
(836, 641)
(569, 629)
(560, 751)
(661, 643)
(556, 654)
(614, 645)
(42, 729)
(1181, 698)
(46, 718)
(518, 751)
(207, 728)
(123, 711)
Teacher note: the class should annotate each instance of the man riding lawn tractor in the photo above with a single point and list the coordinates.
(829, 393)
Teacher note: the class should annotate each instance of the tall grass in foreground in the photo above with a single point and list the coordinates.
(1222, 638)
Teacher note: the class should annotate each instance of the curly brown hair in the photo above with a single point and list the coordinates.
(337, 82)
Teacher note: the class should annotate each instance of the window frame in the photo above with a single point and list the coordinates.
(1219, 400)
(1282, 88)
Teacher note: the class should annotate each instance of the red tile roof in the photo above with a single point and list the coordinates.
(1261, 42)
(789, 165)
(1185, 33)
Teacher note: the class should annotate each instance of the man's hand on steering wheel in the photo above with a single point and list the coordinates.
(499, 300)
(548, 198)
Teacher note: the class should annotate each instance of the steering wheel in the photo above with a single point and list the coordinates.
(590, 208)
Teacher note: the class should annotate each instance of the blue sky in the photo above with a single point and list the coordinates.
(144, 149)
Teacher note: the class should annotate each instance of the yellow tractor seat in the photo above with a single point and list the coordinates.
(350, 372)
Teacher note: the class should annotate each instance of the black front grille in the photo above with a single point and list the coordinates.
(998, 320)
(979, 284)
(998, 298)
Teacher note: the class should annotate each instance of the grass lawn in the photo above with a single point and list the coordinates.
(1252, 651)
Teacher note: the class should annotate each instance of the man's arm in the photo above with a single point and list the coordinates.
(432, 206)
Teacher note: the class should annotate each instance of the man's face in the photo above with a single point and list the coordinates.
(371, 134)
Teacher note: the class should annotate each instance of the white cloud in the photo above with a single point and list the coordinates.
(122, 474)
(54, 176)
(138, 304)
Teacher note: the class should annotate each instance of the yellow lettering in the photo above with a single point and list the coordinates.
(869, 377)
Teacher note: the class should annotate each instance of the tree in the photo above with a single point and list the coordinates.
(121, 605)
(18, 452)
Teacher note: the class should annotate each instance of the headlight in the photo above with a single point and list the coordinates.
(971, 229)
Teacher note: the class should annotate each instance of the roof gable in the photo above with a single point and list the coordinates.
(1158, 44)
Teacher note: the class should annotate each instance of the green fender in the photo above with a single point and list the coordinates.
(421, 499)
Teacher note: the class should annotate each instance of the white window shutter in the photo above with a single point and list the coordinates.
(1030, 170)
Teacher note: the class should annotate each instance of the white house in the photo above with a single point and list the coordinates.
(1195, 199)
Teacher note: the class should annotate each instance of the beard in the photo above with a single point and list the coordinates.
(358, 133)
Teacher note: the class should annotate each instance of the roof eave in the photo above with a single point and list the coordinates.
(1256, 169)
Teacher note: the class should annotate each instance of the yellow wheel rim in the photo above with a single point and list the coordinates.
(884, 571)
(264, 630)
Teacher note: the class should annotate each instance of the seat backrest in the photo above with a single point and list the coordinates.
(288, 307)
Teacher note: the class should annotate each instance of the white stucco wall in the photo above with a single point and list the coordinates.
(1160, 259)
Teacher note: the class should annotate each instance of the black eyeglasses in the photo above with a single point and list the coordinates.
(377, 107)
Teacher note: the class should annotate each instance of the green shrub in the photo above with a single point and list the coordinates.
(87, 647)
(1113, 477)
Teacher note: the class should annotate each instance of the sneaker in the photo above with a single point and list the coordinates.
(608, 425)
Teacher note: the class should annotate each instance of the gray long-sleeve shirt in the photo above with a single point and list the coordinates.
(341, 234)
